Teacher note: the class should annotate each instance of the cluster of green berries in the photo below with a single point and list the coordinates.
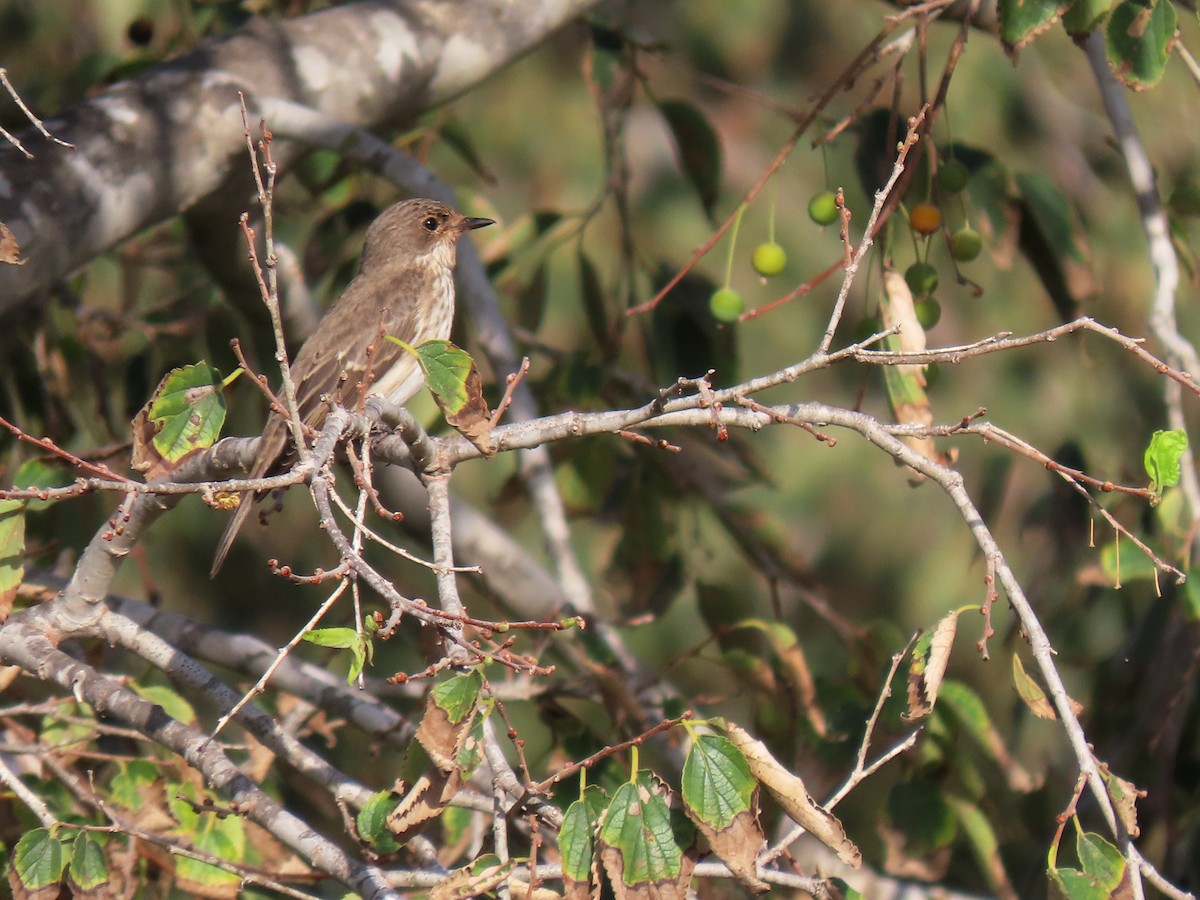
(769, 259)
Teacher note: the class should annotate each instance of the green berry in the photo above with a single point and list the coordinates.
(768, 259)
(928, 311)
(726, 305)
(822, 208)
(921, 278)
(953, 176)
(966, 244)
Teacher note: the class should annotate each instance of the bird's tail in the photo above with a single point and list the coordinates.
(231, 532)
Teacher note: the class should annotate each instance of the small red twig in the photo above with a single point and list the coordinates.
(985, 610)
(511, 383)
(98, 469)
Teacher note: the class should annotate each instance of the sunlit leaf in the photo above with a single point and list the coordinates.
(185, 414)
(38, 859)
(719, 797)
(645, 846)
(1162, 456)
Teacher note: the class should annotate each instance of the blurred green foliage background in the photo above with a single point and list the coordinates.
(888, 557)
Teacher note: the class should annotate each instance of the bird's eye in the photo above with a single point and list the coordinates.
(430, 223)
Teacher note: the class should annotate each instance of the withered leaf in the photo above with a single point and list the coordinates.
(10, 250)
(791, 794)
(931, 655)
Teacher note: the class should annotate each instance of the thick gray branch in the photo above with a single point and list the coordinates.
(151, 147)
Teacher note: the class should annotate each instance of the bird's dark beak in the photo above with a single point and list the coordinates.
(472, 224)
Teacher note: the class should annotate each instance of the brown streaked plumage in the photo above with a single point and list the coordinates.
(404, 287)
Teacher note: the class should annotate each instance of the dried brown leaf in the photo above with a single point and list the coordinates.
(790, 792)
(738, 846)
(10, 250)
(926, 673)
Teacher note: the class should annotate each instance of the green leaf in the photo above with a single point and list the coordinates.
(38, 473)
(446, 370)
(717, 784)
(38, 859)
(33, 473)
(172, 703)
(338, 638)
(719, 793)
(698, 149)
(1191, 594)
(131, 782)
(1162, 456)
(1051, 212)
(843, 890)
(88, 870)
(457, 696)
(456, 136)
(984, 844)
(1123, 567)
(1138, 40)
(1103, 871)
(1023, 20)
(222, 837)
(1085, 15)
(591, 289)
(919, 810)
(359, 645)
(642, 842)
(12, 547)
(371, 822)
(189, 410)
(1101, 861)
(576, 838)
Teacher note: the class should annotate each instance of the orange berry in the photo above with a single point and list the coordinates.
(925, 218)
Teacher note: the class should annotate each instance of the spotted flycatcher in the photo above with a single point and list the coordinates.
(405, 288)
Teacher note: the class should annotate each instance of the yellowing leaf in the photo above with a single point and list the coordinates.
(1033, 695)
(931, 655)
(789, 791)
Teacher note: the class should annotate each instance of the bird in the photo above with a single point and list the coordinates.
(405, 288)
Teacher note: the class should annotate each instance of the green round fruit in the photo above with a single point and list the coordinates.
(921, 278)
(953, 176)
(966, 244)
(768, 259)
(822, 208)
(726, 305)
(928, 311)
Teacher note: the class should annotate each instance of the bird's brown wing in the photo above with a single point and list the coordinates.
(330, 366)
